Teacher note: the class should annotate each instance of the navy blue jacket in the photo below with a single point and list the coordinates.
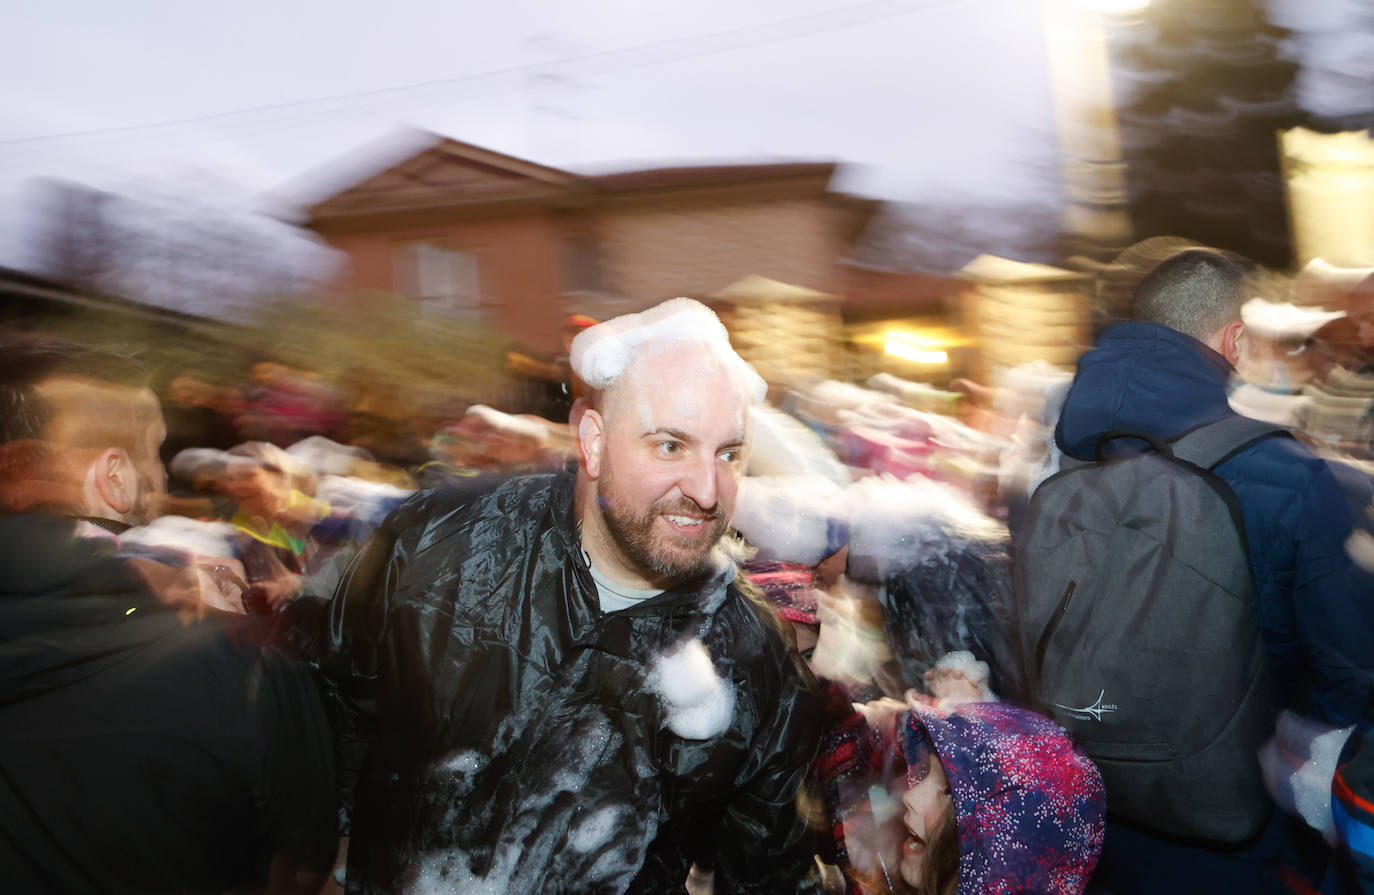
(1316, 607)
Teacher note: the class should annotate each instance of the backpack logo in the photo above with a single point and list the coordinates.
(1094, 711)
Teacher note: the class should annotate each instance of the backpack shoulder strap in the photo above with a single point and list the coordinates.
(1213, 444)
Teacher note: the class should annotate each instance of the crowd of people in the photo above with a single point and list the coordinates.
(1055, 634)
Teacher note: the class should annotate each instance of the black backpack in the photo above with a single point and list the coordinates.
(1138, 632)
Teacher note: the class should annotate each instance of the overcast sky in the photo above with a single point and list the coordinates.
(924, 96)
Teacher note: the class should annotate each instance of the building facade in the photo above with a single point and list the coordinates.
(469, 231)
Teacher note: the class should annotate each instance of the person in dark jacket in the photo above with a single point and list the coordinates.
(1164, 375)
(559, 683)
(147, 744)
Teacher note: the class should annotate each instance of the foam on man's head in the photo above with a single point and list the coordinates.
(601, 354)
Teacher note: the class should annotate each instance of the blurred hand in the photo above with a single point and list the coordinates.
(205, 584)
(277, 590)
(223, 584)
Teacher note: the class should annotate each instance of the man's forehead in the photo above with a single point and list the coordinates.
(679, 388)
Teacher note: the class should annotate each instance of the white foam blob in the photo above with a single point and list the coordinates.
(206, 539)
(699, 704)
(599, 355)
(596, 830)
(466, 761)
(1298, 765)
(962, 660)
(1360, 547)
(1278, 320)
(327, 457)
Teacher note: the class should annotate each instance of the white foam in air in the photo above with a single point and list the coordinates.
(206, 539)
(326, 457)
(1278, 320)
(789, 518)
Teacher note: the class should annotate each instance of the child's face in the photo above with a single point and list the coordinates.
(923, 808)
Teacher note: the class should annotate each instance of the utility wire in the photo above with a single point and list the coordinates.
(665, 51)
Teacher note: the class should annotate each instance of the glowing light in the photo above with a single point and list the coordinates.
(918, 355)
(130, 610)
(1116, 7)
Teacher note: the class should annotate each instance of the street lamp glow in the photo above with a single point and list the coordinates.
(918, 355)
(1115, 7)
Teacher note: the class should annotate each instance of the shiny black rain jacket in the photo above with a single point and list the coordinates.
(513, 736)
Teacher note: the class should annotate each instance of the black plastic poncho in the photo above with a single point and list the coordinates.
(515, 736)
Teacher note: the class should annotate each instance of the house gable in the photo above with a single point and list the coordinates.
(448, 174)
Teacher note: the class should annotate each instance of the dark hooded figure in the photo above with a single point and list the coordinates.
(147, 744)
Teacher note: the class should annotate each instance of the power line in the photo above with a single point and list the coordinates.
(714, 42)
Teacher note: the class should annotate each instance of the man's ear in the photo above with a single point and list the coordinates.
(1230, 341)
(591, 435)
(579, 407)
(116, 481)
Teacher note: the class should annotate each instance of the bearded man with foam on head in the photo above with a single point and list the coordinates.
(552, 681)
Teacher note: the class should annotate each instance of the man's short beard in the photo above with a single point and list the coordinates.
(634, 534)
(146, 504)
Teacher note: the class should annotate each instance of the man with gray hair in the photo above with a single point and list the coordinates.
(553, 681)
(1162, 376)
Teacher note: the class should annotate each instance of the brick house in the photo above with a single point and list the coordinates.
(474, 232)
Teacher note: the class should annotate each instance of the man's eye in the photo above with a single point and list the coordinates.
(669, 448)
(730, 456)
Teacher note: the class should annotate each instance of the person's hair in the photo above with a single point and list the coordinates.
(27, 409)
(941, 876)
(1197, 292)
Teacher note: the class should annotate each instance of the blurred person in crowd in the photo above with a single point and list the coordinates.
(559, 686)
(287, 533)
(1361, 310)
(199, 415)
(196, 484)
(1338, 345)
(383, 422)
(553, 387)
(1163, 375)
(147, 743)
(791, 588)
(1340, 393)
(963, 798)
(487, 440)
(274, 519)
(287, 405)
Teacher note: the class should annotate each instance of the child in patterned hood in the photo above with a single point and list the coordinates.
(996, 801)
(1024, 808)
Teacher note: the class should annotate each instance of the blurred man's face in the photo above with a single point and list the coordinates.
(94, 417)
(268, 374)
(152, 475)
(257, 488)
(672, 453)
(183, 391)
(1361, 310)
